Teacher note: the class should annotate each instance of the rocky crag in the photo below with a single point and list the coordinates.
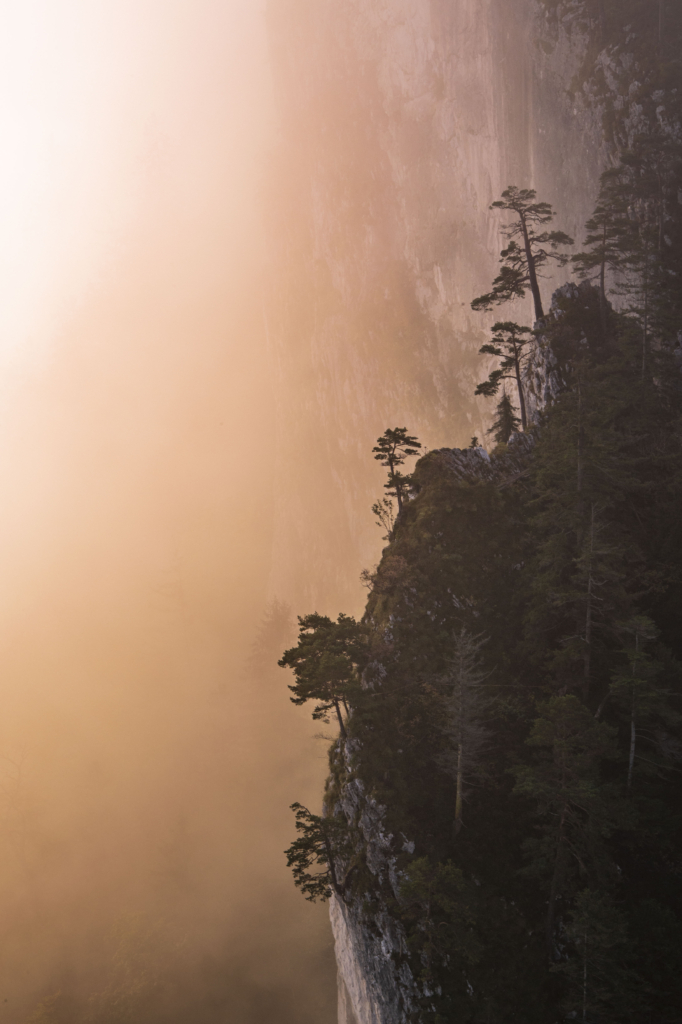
(400, 123)
(375, 982)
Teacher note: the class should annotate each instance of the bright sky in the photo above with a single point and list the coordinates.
(102, 104)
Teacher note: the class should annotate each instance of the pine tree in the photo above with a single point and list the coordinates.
(327, 842)
(465, 704)
(636, 689)
(325, 664)
(391, 449)
(522, 260)
(577, 810)
(507, 423)
(508, 343)
(608, 232)
(598, 969)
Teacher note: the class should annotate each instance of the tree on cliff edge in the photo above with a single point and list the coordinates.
(326, 842)
(509, 341)
(522, 259)
(325, 664)
(391, 449)
(507, 422)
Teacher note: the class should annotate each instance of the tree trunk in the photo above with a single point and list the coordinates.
(557, 878)
(532, 276)
(396, 487)
(633, 722)
(458, 797)
(633, 739)
(602, 283)
(522, 400)
(585, 976)
(645, 324)
(587, 661)
(344, 734)
(580, 504)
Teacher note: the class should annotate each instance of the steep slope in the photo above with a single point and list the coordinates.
(412, 118)
(523, 632)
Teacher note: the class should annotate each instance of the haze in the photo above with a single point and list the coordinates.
(145, 769)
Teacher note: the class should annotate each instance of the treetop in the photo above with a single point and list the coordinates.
(521, 201)
(395, 445)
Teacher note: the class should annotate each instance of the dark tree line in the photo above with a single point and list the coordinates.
(513, 695)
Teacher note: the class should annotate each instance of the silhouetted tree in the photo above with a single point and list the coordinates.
(325, 664)
(509, 341)
(506, 423)
(391, 449)
(522, 259)
(609, 230)
(328, 842)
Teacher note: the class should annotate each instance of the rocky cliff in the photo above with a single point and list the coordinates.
(400, 123)
(375, 982)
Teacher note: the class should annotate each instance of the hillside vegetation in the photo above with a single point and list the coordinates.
(510, 704)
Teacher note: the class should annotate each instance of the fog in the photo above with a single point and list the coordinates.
(234, 248)
(148, 751)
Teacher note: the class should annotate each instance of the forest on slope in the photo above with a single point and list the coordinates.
(511, 701)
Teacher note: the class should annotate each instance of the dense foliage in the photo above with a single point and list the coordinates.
(515, 705)
(518, 707)
(513, 695)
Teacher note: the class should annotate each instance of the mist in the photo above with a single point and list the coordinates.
(238, 240)
(148, 751)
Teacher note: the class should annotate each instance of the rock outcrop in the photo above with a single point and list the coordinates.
(375, 982)
(401, 121)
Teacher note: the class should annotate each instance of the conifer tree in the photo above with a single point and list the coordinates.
(327, 842)
(507, 422)
(641, 270)
(609, 233)
(465, 704)
(440, 906)
(577, 809)
(508, 343)
(325, 664)
(521, 260)
(635, 688)
(391, 450)
(597, 968)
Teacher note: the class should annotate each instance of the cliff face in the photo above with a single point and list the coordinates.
(374, 987)
(375, 982)
(401, 122)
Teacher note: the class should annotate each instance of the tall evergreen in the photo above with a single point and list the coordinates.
(391, 450)
(506, 422)
(508, 344)
(528, 250)
(607, 243)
